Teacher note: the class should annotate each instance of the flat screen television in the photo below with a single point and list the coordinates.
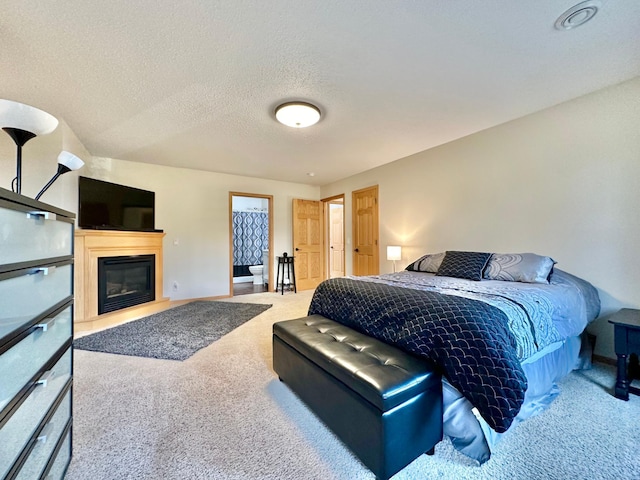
(109, 206)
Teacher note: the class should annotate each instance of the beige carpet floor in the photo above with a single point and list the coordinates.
(223, 414)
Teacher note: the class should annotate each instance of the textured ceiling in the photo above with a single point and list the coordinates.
(195, 83)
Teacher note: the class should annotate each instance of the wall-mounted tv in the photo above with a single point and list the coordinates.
(109, 206)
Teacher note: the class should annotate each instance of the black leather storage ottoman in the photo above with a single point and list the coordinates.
(383, 403)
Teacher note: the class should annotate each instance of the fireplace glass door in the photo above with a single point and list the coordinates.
(125, 281)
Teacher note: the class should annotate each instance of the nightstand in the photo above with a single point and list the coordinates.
(626, 323)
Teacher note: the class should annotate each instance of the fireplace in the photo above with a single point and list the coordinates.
(125, 281)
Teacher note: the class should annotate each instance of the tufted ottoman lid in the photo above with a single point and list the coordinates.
(380, 373)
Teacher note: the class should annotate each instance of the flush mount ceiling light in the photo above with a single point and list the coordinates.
(297, 114)
(577, 15)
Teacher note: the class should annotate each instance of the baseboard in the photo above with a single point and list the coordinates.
(201, 299)
(244, 279)
(605, 360)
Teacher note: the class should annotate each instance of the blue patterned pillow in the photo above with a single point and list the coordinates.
(519, 267)
(469, 265)
(428, 263)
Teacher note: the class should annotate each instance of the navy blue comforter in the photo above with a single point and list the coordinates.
(467, 339)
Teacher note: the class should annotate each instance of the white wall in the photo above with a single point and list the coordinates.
(563, 182)
(192, 207)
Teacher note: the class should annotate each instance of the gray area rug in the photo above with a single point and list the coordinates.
(174, 334)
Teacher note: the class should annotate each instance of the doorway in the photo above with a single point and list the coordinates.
(335, 236)
(250, 243)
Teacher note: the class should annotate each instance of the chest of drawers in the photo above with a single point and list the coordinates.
(36, 335)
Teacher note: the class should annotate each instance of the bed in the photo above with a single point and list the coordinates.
(501, 328)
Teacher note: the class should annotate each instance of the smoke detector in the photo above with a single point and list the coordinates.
(578, 15)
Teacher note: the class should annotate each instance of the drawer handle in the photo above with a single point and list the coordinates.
(46, 270)
(45, 378)
(48, 323)
(45, 433)
(42, 215)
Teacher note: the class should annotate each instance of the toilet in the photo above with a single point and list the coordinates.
(256, 271)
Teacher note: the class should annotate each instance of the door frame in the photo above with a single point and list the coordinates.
(269, 198)
(326, 202)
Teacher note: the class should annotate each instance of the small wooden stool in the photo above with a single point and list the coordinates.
(286, 261)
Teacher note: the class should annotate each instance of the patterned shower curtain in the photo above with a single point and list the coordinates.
(250, 237)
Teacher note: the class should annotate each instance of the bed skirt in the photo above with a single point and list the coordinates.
(471, 435)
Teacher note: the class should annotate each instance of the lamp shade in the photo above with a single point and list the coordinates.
(297, 114)
(67, 162)
(25, 117)
(70, 161)
(394, 252)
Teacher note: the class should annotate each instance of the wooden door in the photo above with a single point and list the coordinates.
(336, 240)
(308, 243)
(365, 231)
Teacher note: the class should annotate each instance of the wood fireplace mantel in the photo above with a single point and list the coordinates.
(92, 244)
